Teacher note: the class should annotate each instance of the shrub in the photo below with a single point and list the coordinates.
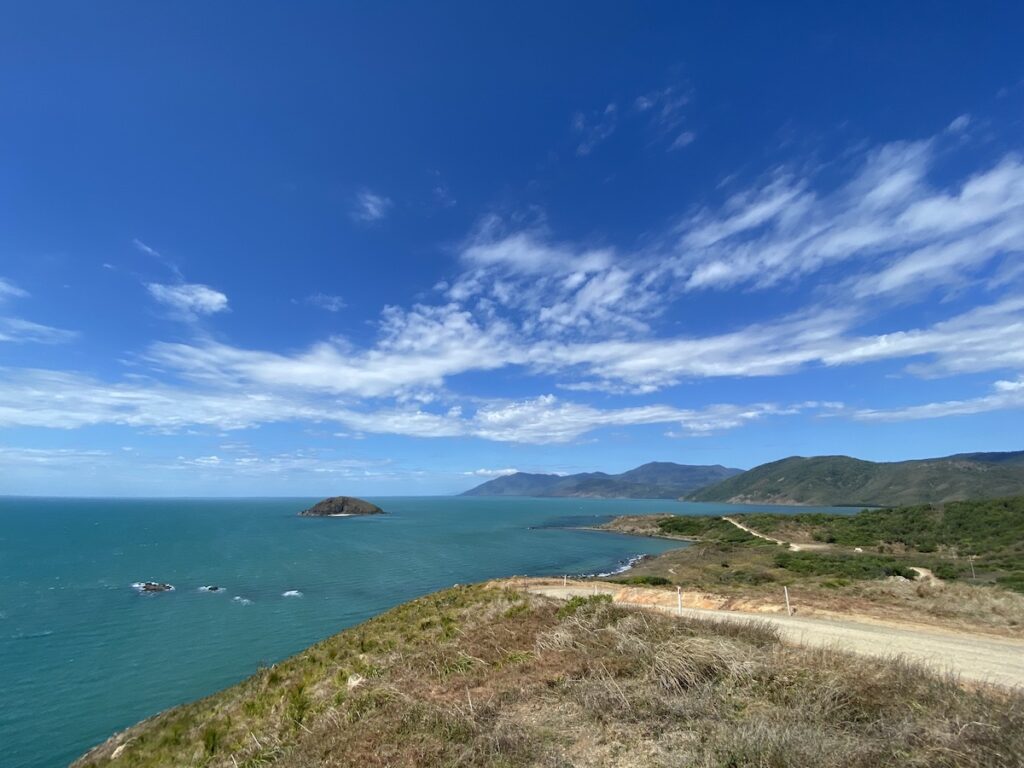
(579, 604)
(651, 581)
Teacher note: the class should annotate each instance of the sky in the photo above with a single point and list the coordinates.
(304, 249)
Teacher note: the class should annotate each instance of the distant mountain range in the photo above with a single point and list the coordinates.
(815, 480)
(842, 480)
(656, 480)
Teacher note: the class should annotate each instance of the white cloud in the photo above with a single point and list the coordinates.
(18, 331)
(1006, 395)
(421, 349)
(959, 124)
(13, 329)
(418, 348)
(900, 232)
(684, 139)
(69, 400)
(189, 299)
(63, 400)
(594, 128)
(370, 207)
(547, 419)
(9, 290)
(492, 472)
(326, 301)
(154, 253)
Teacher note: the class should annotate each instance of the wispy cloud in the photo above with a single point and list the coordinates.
(154, 253)
(593, 128)
(189, 300)
(19, 331)
(898, 231)
(9, 290)
(492, 472)
(369, 206)
(13, 329)
(326, 301)
(1005, 395)
(665, 110)
(959, 124)
(75, 400)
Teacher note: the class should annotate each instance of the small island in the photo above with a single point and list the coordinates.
(342, 506)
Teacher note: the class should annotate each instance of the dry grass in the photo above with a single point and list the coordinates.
(479, 676)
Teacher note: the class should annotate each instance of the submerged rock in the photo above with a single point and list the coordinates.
(342, 506)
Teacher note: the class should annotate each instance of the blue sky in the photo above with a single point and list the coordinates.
(400, 248)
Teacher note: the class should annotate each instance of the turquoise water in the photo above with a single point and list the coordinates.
(82, 654)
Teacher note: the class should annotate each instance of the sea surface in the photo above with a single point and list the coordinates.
(84, 654)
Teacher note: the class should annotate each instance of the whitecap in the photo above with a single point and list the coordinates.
(622, 567)
(212, 588)
(242, 600)
(291, 593)
(32, 635)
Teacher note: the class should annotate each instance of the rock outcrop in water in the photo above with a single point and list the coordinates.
(153, 586)
(342, 506)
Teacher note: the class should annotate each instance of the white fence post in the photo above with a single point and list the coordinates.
(679, 600)
(785, 591)
(565, 580)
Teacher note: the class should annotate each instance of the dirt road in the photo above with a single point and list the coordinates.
(976, 657)
(752, 532)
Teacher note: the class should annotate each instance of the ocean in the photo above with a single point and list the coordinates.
(84, 654)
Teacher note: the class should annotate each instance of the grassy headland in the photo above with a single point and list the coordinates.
(482, 676)
(860, 562)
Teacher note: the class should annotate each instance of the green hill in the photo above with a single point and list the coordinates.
(842, 480)
(655, 480)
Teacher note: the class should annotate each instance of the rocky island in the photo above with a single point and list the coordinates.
(341, 506)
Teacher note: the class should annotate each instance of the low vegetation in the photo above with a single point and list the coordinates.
(858, 562)
(480, 676)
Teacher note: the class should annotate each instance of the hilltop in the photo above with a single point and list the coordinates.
(655, 480)
(842, 480)
(484, 676)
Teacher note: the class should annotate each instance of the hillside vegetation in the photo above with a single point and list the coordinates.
(841, 480)
(656, 480)
(856, 563)
(480, 676)
(989, 532)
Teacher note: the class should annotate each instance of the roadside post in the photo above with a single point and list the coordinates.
(679, 600)
(971, 559)
(785, 591)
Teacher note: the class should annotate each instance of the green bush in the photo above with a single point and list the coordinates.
(849, 566)
(579, 604)
(650, 581)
